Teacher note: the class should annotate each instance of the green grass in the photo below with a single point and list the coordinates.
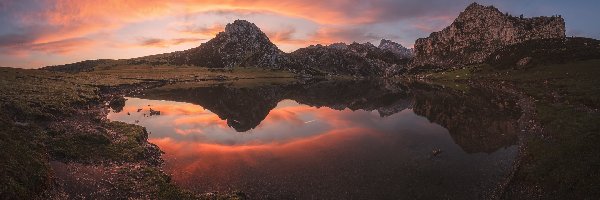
(31, 94)
(455, 78)
(453, 75)
(565, 162)
(136, 74)
(571, 83)
(96, 144)
(33, 104)
(23, 164)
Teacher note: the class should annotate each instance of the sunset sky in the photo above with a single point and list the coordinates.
(38, 33)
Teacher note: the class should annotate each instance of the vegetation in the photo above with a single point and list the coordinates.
(564, 160)
(51, 116)
(24, 167)
(545, 52)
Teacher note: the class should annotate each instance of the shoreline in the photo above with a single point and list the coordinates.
(86, 120)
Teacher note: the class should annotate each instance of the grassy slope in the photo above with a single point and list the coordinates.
(32, 99)
(565, 161)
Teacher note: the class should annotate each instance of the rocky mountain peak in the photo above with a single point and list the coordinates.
(243, 28)
(476, 11)
(388, 45)
(474, 6)
(339, 45)
(242, 44)
(478, 32)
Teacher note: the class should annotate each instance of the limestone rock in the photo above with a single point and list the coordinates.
(398, 49)
(359, 60)
(241, 44)
(478, 32)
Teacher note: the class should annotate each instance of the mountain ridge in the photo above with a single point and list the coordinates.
(477, 33)
(243, 44)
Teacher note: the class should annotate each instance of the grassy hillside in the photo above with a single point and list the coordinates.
(48, 116)
(562, 162)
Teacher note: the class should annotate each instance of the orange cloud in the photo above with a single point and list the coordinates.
(286, 36)
(206, 120)
(194, 157)
(157, 42)
(57, 22)
(188, 131)
(276, 115)
(76, 18)
(169, 109)
(56, 47)
(432, 24)
(208, 31)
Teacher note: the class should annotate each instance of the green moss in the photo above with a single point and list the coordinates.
(571, 83)
(32, 100)
(33, 94)
(97, 145)
(24, 168)
(457, 74)
(566, 162)
(149, 181)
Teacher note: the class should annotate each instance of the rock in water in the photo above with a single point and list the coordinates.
(478, 32)
(117, 103)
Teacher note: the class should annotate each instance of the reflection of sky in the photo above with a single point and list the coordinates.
(288, 121)
(345, 151)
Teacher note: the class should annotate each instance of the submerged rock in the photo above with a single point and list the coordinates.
(117, 103)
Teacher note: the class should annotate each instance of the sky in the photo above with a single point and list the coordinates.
(37, 33)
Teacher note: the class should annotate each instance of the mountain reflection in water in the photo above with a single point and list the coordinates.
(333, 139)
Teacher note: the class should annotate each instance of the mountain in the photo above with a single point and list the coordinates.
(354, 59)
(241, 44)
(397, 49)
(478, 32)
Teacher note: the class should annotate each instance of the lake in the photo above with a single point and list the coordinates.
(331, 139)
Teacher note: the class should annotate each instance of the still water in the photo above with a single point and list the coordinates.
(331, 140)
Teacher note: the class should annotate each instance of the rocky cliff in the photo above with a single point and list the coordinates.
(241, 44)
(395, 48)
(478, 32)
(354, 59)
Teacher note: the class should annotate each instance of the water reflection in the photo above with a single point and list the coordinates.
(351, 139)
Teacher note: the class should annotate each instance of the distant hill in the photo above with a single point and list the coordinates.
(479, 34)
(243, 44)
(353, 59)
